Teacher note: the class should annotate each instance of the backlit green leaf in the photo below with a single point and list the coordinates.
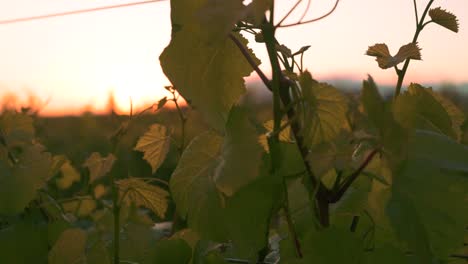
(247, 214)
(241, 154)
(172, 251)
(456, 115)
(256, 11)
(325, 113)
(20, 182)
(141, 193)
(69, 248)
(331, 245)
(16, 128)
(155, 144)
(202, 63)
(417, 108)
(24, 242)
(392, 137)
(218, 17)
(284, 135)
(99, 166)
(138, 243)
(386, 255)
(243, 217)
(81, 207)
(428, 206)
(439, 150)
(68, 177)
(192, 184)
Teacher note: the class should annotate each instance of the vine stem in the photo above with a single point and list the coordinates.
(268, 31)
(292, 230)
(336, 196)
(420, 25)
(250, 60)
(300, 22)
(183, 122)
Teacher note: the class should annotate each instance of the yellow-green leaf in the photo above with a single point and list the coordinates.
(241, 154)
(81, 207)
(69, 248)
(154, 144)
(218, 17)
(392, 136)
(328, 155)
(16, 128)
(68, 177)
(99, 166)
(256, 11)
(444, 18)
(284, 135)
(325, 111)
(455, 114)
(57, 162)
(141, 193)
(417, 108)
(20, 182)
(99, 191)
(205, 66)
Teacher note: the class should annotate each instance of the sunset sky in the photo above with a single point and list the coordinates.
(76, 61)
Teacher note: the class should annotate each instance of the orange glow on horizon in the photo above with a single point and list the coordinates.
(73, 63)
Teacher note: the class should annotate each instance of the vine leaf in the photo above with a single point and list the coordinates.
(16, 129)
(256, 11)
(161, 103)
(284, 135)
(218, 17)
(387, 255)
(155, 145)
(172, 251)
(325, 111)
(57, 162)
(19, 182)
(137, 191)
(81, 208)
(69, 248)
(23, 242)
(428, 206)
(456, 115)
(444, 18)
(331, 245)
(242, 217)
(247, 213)
(99, 166)
(69, 176)
(417, 108)
(138, 243)
(241, 154)
(98, 253)
(192, 186)
(329, 155)
(206, 68)
(385, 60)
(393, 136)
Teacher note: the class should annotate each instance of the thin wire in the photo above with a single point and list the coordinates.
(74, 12)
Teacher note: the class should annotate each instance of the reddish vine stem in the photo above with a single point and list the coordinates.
(300, 22)
(250, 60)
(335, 197)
